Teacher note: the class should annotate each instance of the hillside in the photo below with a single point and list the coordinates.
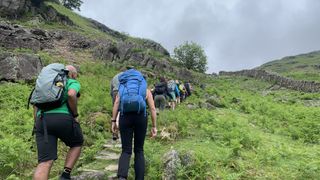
(300, 67)
(231, 128)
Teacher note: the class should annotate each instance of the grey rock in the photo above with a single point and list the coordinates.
(14, 36)
(11, 7)
(125, 49)
(106, 51)
(50, 14)
(155, 46)
(172, 163)
(91, 175)
(214, 101)
(19, 67)
(192, 106)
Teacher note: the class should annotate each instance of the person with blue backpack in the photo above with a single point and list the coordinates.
(131, 101)
(55, 98)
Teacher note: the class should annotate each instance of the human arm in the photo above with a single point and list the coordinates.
(153, 113)
(115, 113)
(35, 110)
(72, 102)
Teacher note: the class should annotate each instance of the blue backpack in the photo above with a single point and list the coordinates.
(132, 91)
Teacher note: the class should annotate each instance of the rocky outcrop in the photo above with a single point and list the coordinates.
(172, 163)
(15, 36)
(107, 30)
(19, 67)
(124, 52)
(48, 13)
(304, 86)
(12, 7)
(155, 46)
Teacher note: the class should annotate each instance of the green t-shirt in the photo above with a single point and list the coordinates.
(71, 84)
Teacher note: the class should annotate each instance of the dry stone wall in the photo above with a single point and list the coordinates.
(304, 86)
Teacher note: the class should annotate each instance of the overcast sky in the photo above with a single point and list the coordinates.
(235, 34)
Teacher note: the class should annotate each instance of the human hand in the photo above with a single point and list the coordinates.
(154, 132)
(114, 127)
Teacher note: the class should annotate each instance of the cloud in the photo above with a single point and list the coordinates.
(235, 34)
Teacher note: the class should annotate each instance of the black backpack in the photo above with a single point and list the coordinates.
(160, 88)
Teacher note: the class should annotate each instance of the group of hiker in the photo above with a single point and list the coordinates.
(170, 93)
(55, 98)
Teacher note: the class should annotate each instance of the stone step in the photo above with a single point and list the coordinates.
(110, 146)
(113, 177)
(90, 175)
(89, 170)
(109, 153)
(112, 167)
(108, 156)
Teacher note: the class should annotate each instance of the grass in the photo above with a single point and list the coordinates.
(301, 67)
(255, 133)
(260, 136)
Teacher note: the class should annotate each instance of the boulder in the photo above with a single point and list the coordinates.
(19, 67)
(107, 51)
(214, 101)
(172, 163)
(11, 7)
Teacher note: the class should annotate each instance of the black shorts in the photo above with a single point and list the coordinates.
(62, 126)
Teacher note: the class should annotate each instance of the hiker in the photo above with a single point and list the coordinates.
(177, 92)
(131, 102)
(171, 93)
(182, 91)
(159, 94)
(188, 87)
(114, 85)
(57, 121)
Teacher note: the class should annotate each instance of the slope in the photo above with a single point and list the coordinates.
(300, 67)
(233, 128)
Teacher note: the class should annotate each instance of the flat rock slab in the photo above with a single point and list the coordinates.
(89, 170)
(113, 177)
(112, 146)
(112, 167)
(108, 156)
(91, 176)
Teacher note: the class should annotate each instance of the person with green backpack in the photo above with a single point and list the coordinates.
(131, 101)
(55, 99)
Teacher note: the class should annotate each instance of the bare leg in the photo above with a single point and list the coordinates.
(43, 170)
(72, 157)
(173, 105)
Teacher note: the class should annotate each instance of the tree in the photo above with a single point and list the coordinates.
(71, 4)
(191, 56)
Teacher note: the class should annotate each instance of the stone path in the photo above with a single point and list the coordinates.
(105, 166)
